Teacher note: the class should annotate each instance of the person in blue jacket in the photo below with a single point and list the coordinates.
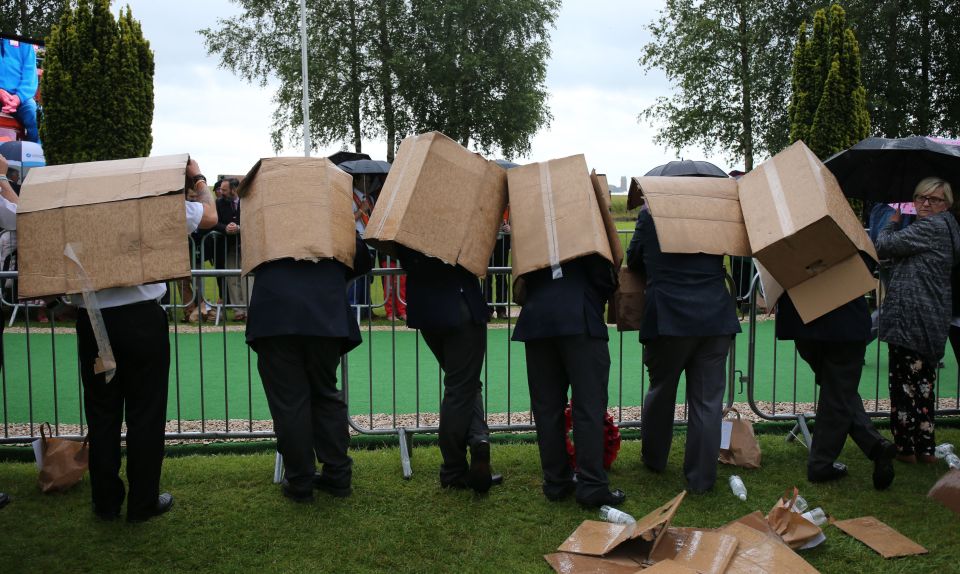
(18, 84)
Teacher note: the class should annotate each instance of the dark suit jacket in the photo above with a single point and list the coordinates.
(570, 305)
(437, 292)
(308, 298)
(226, 214)
(686, 293)
(849, 322)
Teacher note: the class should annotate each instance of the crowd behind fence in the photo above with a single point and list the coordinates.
(392, 385)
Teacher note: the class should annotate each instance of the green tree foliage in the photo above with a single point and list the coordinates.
(384, 68)
(97, 86)
(828, 105)
(30, 18)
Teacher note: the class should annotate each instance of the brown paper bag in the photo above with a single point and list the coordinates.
(626, 305)
(744, 449)
(64, 461)
(793, 529)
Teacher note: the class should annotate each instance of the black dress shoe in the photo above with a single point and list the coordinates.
(835, 471)
(4, 499)
(883, 454)
(297, 495)
(338, 488)
(164, 503)
(496, 479)
(479, 478)
(561, 494)
(609, 498)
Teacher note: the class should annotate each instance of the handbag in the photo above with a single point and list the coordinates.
(63, 461)
(744, 450)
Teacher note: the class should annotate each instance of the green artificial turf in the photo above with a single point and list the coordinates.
(229, 518)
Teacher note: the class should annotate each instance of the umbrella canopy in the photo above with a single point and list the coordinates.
(505, 163)
(365, 167)
(687, 168)
(888, 170)
(342, 156)
(23, 154)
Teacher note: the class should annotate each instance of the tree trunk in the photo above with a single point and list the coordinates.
(386, 81)
(355, 92)
(924, 102)
(23, 18)
(891, 115)
(747, 112)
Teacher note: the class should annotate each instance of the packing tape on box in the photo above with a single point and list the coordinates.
(549, 220)
(815, 166)
(779, 199)
(105, 362)
(396, 184)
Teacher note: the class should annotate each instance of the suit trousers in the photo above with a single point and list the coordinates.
(460, 352)
(141, 346)
(836, 369)
(581, 364)
(299, 375)
(237, 287)
(702, 360)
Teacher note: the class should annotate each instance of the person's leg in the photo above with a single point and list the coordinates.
(665, 358)
(329, 415)
(955, 342)
(902, 417)
(26, 114)
(548, 383)
(706, 383)
(925, 399)
(389, 281)
(236, 295)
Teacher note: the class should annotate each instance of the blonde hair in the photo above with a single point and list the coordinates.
(932, 184)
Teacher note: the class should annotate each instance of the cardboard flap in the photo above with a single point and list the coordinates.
(696, 214)
(597, 538)
(603, 200)
(947, 491)
(566, 563)
(97, 182)
(758, 552)
(881, 538)
(670, 567)
(704, 551)
(770, 289)
(832, 288)
(634, 196)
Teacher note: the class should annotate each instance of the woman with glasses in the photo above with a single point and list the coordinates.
(915, 318)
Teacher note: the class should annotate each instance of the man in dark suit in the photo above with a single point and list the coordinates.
(445, 303)
(561, 323)
(298, 352)
(689, 320)
(834, 346)
(228, 254)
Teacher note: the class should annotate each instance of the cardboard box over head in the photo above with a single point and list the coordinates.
(442, 200)
(125, 220)
(557, 214)
(296, 207)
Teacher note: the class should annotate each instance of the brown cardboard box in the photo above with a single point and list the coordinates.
(947, 491)
(555, 215)
(626, 307)
(299, 207)
(124, 218)
(441, 200)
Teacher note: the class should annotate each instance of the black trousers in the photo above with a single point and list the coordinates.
(702, 360)
(460, 352)
(836, 369)
(141, 346)
(299, 375)
(554, 365)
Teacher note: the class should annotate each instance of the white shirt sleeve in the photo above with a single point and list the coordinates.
(194, 215)
(8, 214)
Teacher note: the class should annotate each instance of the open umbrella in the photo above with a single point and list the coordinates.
(505, 163)
(342, 156)
(687, 168)
(22, 154)
(365, 167)
(887, 170)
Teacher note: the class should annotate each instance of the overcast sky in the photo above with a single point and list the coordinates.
(597, 89)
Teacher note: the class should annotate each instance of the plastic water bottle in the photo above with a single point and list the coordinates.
(943, 450)
(611, 514)
(816, 516)
(800, 505)
(738, 488)
(953, 461)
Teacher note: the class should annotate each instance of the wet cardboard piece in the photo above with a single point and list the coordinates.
(703, 551)
(124, 218)
(442, 200)
(762, 551)
(567, 563)
(883, 539)
(696, 214)
(602, 190)
(626, 307)
(947, 491)
(296, 207)
(670, 567)
(555, 215)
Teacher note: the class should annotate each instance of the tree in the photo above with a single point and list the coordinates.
(97, 86)
(828, 105)
(725, 61)
(30, 18)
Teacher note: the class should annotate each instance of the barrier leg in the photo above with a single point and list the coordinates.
(278, 469)
(405, 451)
(801, 425)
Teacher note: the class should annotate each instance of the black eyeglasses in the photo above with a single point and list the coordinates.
(929, 200)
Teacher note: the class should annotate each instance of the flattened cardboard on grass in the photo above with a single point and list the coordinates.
(947, 491)
(760, 551)
(703, 551)
(555, 215)
(297, 207)
(125, 219)
(442, 200)
(883, 539)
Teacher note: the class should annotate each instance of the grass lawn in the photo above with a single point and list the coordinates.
(230, 518)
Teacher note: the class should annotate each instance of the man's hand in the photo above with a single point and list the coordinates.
(232, 228)
(3, 166)
(193, 169)
(10, 104)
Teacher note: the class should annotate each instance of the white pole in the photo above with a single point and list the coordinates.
(306, 81)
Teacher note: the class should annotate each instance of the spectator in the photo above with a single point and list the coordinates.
(358, 294)
(916, 314)
(137, 329)
(8, 251)
(500, 258)
(18, 84)
(228, 215)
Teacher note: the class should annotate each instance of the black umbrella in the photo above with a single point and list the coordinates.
(888, 170)
(342, 156)
(365, 167)
(687, 168)
(505, 163)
